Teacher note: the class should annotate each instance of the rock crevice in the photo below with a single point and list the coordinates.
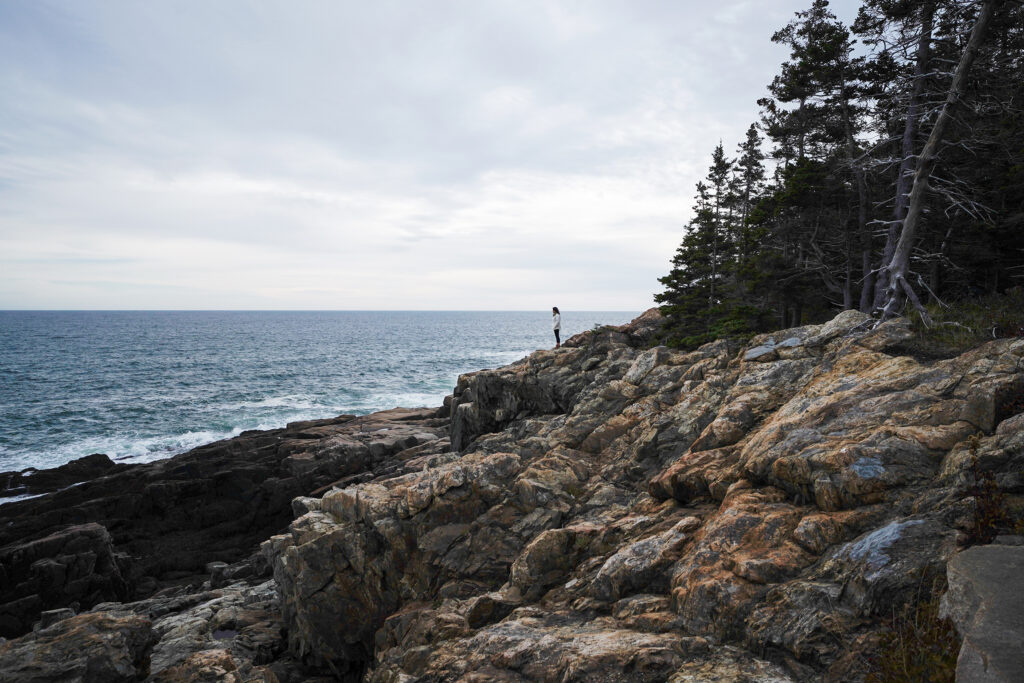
(610, 510)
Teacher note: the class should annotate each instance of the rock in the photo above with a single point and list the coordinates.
(761, 353)
(697, 474)
(889, 335)
(604, 512)
(638, 565)
(728, 664)
(372, 548)
(173, 517)
(1008, 539)
(881, 567)
(547, 560)
(643, 328)
(209, 665)
(87, 647)
(841, 325)
(644, 363)
(1011, 425)
(490, 608)
(984, 601)
(76, 564)
(51, 617)
(486, 401)
(781, 506)
(215, 666)
(535, 647)
(243, 620)
(34, 481)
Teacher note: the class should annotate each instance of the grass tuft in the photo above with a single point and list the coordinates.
(968, 323)
(918, 645)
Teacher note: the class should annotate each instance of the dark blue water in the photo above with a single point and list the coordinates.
(145, 385)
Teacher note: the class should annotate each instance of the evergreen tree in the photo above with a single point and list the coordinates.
(850, 136)
(700, 296)
(749, 173)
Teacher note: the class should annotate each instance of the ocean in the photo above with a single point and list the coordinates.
(144, 385)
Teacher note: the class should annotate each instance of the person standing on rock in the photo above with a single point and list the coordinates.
(556, 325)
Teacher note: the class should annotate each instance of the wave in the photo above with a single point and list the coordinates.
(132, 448)
(290, 401)
(22, 496)
(119, 447)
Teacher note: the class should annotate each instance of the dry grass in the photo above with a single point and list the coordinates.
(965, 324)
(918, 645)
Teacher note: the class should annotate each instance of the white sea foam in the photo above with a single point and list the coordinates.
(148, 386)
(120, 448)
(387, 401)
(291, 401)
(23, 496)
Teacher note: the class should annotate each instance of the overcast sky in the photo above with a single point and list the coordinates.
(422, 154)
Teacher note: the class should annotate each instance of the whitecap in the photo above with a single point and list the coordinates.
(22, 496)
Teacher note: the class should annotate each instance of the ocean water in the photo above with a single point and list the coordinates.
(144, 385)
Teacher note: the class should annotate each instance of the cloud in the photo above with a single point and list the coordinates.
(456, 154)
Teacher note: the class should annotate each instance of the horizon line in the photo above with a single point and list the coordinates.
(304, 310)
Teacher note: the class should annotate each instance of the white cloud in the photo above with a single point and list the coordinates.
(408, 155)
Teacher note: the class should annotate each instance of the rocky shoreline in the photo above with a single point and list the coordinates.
(606, 511)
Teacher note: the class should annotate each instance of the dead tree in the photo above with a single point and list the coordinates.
(905, 171)
(898, 268)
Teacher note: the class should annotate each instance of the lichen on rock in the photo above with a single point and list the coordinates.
(778, 497)
(605, 511)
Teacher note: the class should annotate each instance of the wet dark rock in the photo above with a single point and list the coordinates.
(32, 481)
(74, 565)
(83, 648)
(136, 528)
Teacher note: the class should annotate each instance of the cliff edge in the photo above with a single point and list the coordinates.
(619, 513)
(606, 511)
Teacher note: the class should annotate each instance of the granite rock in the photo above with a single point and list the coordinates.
(985, 603)
(82, 648)
(625, 513)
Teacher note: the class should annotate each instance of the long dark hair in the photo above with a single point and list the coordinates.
(555, 309)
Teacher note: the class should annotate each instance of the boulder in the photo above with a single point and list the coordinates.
(985, 601)
(76, 564)
(174, 517)
(85, 648)
(32, 481)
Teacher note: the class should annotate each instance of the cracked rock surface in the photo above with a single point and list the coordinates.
(606, 511)
(622, 513)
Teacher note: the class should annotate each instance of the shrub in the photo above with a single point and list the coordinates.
(967, 323)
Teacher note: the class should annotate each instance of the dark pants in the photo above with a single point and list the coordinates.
(557, 340)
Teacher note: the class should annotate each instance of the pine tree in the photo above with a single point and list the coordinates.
(700, 291)
(750, 172)
(814, 106)
(898, 267)
(848, 135)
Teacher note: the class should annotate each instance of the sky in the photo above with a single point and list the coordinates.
(342, 155)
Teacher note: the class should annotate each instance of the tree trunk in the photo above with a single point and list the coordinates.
(898, 267)
(868, 284)
(862, 206)
(800, 130)
(848, 285)
(906, 167)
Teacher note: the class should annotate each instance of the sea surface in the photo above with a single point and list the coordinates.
(144, 385)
